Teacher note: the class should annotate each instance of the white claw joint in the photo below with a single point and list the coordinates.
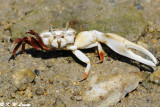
(123, 47)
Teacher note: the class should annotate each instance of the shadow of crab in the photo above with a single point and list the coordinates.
(63, 53)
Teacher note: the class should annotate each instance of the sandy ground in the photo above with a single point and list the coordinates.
(51, 78)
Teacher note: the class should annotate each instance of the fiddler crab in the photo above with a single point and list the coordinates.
(66, 39)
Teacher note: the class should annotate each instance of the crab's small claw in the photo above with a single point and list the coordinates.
(123, 47)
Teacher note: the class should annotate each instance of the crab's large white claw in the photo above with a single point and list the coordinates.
(123, 47)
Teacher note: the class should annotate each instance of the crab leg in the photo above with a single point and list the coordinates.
(89, 39)
(31, 41)
(16, 48)
(23, 47)
(40, 42)
(141, 49)
(100, 51)
(34, 43)
(84, 59)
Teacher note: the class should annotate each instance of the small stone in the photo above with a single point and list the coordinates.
(23, 76)
(13, 95)
(69, 60)
(147, 85)
(39, 91)
(138, 6)
(27, 100)
(80, 93)
(51, 81)
(154, 41)
(75, 93)
(52, 60)
(108, 59)
(1, 95)
(65, 83)
(78, 98)
(151, 29)
(59, 103)
(101, 97)
(22, 87)
(45, 94)
(21, 92)
(42, 103)
(49, 65)
(155, 77)
(72, 97)
(41, 68)
(112, 1)
(28, 92)
(109, 89)
(37, 72)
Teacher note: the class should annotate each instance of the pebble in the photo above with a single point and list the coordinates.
(109, 89)
(147, 85)
(51, 81)
(151, 29)
(49, 65)
(112, 1)
(28, 92)
(59, 103)
(65, 83)
(155, 76)
(154, 41)
(77, 98)
(138, 6)
(22, 87)
(42, 103)
(101, 97)
(23, 76)
(37, 72)
(109, 59)
(69, 60)
(1, 95)
(39, 91)
(45, 93)
(13, 95)
(41, 68)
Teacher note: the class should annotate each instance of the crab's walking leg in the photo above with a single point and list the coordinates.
(16, 48)
(40, 42)
(84, 59)
(31, 41)
(85, 41)
(34, 43)
(101, 53)
(23, 47)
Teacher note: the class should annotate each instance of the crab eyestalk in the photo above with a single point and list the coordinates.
(51, 30)
(67, 24)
